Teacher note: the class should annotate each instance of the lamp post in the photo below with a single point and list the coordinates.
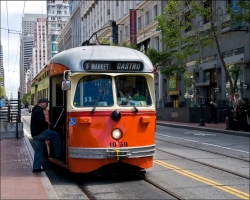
(201, 120)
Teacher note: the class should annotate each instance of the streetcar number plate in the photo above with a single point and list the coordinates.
(120, 144)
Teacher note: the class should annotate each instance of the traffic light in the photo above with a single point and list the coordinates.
(115, 32)
(113, 23)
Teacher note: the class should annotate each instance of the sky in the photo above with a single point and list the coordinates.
(11, 19)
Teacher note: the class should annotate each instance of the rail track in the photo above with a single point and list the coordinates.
(221, 154)
(203, 163)
(112, 175)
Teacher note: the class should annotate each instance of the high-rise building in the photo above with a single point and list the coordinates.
(1, 66)
(39, 57)
(57, 17)
(26, 45)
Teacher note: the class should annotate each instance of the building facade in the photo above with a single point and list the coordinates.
(57, 16)
(26, 45)
(39, 56)
(1, 66)
(180, 99)
(176, 99)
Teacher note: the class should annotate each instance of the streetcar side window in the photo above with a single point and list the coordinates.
(132, 90)
(94, 90)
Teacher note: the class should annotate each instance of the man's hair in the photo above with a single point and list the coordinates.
(127, 83)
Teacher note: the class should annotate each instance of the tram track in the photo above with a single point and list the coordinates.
(221, 154)
(160, 187)
(99, 177)
(205, 164)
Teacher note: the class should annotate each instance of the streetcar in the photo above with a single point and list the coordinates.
(99, 122)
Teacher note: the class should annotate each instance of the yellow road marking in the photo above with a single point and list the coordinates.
(220, 186)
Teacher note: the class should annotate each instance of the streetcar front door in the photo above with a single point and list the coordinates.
(58, 113)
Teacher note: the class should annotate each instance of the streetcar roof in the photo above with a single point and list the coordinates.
(74, 58)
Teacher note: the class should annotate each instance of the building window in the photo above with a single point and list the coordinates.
(155, 12)
(187, 2)
(156, 43)
(207, 5)
(236, 72)
(54, 47)
(126, 32)
(139, 23)
(187, 22)
(121, 36)
(59, 12)
(146, 18)
(54, 37)
(189, 89)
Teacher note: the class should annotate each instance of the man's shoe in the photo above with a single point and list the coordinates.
(37, 170)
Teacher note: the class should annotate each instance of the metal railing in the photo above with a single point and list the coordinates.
(11, 113)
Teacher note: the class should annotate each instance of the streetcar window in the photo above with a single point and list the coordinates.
(132, 90)
(94, 91)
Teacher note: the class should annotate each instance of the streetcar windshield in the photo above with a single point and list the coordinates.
(132, 91)
(94, 91)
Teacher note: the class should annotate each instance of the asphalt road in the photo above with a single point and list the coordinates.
(181, 175)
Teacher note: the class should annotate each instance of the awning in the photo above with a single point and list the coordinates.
(173, 93)
(205, 84)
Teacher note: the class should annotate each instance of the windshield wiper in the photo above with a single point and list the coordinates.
(128, 101)
(97, 100)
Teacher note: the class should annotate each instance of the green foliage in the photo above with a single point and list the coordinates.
(239, 17)
(128, 45)
(2, 92)
(184, 38)
(163, 61)
(26, 98)
(104, 40)
(174, 25)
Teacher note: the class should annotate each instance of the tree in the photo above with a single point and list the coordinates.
(237, 17)
(2, 92)
(26, 98)
(128, 44)
(162, 60)
(185, 37)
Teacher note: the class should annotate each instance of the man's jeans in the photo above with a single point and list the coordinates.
(39, 145)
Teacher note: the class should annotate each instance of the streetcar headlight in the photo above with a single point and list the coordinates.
(116, 134)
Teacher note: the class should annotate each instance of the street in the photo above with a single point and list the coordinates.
(189, 164)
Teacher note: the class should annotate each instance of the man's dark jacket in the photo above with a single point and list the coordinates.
(37, 123)
(212, 109)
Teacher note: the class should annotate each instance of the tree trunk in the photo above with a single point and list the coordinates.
(221, 57)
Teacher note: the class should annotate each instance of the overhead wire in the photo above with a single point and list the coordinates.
(19, 35)
(8, 36)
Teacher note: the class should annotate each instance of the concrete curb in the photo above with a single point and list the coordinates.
(238, 133)
(45, 180)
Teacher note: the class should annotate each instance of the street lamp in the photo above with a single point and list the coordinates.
(201, 120)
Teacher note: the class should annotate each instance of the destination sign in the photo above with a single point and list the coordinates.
(94, 66)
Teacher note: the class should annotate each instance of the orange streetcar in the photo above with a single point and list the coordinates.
(102, 106)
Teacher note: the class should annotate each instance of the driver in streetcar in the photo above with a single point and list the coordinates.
(128, 90)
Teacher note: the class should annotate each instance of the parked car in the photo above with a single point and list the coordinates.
(30, 108)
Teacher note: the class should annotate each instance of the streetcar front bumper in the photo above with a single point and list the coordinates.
(102, 153)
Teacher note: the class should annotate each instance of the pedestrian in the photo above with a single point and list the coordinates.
(244, 114)
(40, 132)
(235, 116)
(212, 113)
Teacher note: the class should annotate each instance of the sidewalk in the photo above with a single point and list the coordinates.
(219, 128)
(17, 179)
